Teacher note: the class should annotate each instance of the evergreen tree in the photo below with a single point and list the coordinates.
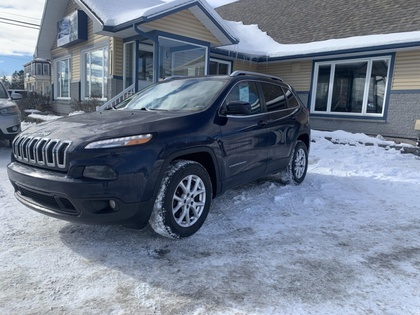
(17, 80)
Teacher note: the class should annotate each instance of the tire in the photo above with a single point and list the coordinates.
(298, 165)
(183, 201)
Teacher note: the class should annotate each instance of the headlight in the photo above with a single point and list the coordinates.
(9, 110)
(120, 142)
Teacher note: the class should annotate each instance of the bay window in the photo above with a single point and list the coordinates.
(356, 87)
(181, 58)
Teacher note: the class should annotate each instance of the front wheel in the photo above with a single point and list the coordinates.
(183, 201)
(298, 165)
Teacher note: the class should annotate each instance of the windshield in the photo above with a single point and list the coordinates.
(186, 94)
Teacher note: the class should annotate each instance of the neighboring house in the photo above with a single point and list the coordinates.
(38, 76)
(356, 64)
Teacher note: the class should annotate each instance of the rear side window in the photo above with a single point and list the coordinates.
(291, 99)
(274, 96)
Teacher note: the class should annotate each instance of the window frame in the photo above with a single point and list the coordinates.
(221, 61)
(162, 45)
(105, 72)
(364, 111)
(57, 80)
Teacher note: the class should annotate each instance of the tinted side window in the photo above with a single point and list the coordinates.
(274, 97)
(246, 91)
(291, 99)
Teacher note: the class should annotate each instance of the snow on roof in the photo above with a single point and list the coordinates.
(112, 14)
(254, 42)
(127, 11)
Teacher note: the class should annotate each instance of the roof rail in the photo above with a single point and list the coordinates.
(242, 72)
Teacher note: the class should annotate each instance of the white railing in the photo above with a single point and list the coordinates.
(118, 98)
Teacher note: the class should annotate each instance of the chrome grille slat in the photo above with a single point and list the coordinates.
(41, 151)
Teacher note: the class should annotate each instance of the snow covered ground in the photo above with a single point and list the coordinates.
(346, 241)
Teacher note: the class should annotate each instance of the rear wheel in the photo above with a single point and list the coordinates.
(298, 165)
(183, 201)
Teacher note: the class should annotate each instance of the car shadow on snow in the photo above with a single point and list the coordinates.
(241, 258)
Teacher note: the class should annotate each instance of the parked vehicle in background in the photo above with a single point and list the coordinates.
(18, 94)
(163, 156)
(9, 116)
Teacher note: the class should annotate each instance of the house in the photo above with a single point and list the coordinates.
(99, 49)
(37, 76)
(355, 64)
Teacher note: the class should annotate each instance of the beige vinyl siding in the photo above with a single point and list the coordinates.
(75, 50)
(297, 74)
(407, 71)
(116, 56)
(183, 23)
(244, 65)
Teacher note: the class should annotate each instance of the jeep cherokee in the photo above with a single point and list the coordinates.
(161, 156)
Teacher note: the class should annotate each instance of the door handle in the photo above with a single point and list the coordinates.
(262, 123)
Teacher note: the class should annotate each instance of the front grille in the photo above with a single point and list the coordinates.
(54, 203)
(41, 151)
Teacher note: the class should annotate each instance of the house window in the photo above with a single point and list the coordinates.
(221, 67)
(355, 87)
(181, 58)
(96, 73)
(129, 64)
(46, 69)
(62, 81)
(39, 69)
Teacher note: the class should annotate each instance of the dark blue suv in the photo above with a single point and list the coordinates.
(163, 155)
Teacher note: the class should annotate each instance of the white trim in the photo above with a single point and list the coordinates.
(226, 62)
(105, 74)
(56, 77)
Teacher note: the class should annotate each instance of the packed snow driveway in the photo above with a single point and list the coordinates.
(346, 241)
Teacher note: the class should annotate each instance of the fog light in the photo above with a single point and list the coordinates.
(102, 172)
(112, 204)
(15, 128)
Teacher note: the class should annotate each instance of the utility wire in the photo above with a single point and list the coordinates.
(14, 14)
(20, 22)
(32, 27)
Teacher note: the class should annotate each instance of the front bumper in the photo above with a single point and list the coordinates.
(78, 200)
(9, 126)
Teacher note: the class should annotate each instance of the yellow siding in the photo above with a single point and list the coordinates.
(116, 56)
(407, 71)
(183, 23)
(244, 65)
(298, 74)
(75, 50)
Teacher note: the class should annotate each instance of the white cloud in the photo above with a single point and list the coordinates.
(17, 40)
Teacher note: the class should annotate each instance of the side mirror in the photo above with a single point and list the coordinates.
(16, 96)
(238, 108)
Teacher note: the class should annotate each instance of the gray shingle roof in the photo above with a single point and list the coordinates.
(303, 21)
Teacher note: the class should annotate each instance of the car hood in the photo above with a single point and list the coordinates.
(102, 125)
